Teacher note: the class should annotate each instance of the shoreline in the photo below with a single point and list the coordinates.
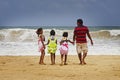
(46, 55)
(98, 67)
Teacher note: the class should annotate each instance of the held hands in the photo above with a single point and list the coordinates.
(72, 43)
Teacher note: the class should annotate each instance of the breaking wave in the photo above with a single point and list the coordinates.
(28, 35)
(106, 34)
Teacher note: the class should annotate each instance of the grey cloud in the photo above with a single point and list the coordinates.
(57, 12)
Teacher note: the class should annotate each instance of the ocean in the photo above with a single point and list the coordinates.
(22, 40)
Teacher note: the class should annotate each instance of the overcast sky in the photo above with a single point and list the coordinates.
(59, 12)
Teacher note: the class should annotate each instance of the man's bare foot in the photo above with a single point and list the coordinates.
(39, 62)
(84, 62)
(80, 63)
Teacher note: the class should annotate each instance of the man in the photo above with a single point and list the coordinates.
(79, 36)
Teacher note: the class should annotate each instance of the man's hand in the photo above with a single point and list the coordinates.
(91, 42)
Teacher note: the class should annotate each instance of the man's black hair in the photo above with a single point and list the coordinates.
(80, 21)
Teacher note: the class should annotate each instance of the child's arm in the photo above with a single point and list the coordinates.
(42, 41)
(61, 42)
(56, 41)
(43, 38)
(71, 42)
(47, 42)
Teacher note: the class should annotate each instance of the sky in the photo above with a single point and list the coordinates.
(59, 12)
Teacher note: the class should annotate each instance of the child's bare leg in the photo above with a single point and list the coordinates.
(51, 59)
(42, 57)
(65, 60)
(54, 58)
(80, 57)
(40, 62)
(84, 56)
(61, 59)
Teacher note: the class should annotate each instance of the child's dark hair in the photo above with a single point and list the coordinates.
(65, 34)
(38, 31)
(52, 33)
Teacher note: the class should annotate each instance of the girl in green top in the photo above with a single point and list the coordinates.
(52, 46)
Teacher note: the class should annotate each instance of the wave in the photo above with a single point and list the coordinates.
(106, 34)
(15, 35)
(25, 35)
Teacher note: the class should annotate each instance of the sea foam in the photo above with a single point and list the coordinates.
(19, 41)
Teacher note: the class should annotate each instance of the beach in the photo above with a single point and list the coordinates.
(98, 67)
(19, 56)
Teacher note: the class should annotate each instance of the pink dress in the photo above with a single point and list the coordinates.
(64, 48)
(40, 45)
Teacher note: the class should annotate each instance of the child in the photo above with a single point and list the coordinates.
(64, 47)
(52, 46)
(41, 45)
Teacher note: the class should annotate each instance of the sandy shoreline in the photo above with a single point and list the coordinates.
(27, 68)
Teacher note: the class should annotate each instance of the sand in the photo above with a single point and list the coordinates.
(27, 68)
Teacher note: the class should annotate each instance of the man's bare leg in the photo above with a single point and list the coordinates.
(80, 57)
(84, 56)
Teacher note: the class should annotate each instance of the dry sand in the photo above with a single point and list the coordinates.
(27, 68)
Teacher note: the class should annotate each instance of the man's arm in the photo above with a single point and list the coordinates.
(73, 37)
(88, 34)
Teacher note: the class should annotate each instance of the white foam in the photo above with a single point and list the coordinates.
(24, 42)
(114, 32)
(100, 47)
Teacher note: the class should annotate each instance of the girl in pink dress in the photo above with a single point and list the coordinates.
(41, 45)
(64, 48)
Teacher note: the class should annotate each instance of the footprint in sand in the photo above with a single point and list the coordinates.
(31, 64)
(3, 63)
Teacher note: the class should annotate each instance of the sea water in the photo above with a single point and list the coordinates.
(22, 40)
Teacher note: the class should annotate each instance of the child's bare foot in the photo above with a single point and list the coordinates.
(52, 63)
(61, 63)
(42, 63)
(65, 64)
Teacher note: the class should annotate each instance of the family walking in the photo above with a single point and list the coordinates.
(79, 37)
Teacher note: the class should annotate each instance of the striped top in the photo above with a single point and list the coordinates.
(80, 34)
